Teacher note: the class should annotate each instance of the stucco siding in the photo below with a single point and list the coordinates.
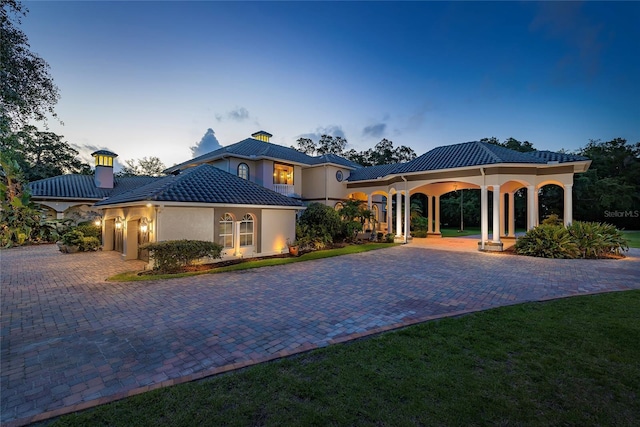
(278, 226)
(175, 223)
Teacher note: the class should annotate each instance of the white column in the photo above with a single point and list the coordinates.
(437, 214)
(407, 212)
(389, 214)
(398, 214)
(236, 238)
(496, 215)
(484, 214)
(502, 223)
(568, 204)
(512, 216)
(369, 225)
(430, 214)
(531, 207)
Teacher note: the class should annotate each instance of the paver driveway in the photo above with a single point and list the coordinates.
(71, 340)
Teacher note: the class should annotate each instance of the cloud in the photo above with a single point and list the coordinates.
(208, 143)
(332, 130)
(239, 114)
(375, 131)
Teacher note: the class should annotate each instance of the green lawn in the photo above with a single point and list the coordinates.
(132, 276)
(633, 237)
(567, 362)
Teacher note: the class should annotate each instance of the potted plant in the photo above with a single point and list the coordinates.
(294, 247)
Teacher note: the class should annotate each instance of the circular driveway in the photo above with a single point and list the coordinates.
(70, 340)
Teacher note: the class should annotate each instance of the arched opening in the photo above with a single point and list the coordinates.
(246, 234)
(225, 230)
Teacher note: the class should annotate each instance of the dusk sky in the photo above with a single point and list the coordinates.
(149, 78)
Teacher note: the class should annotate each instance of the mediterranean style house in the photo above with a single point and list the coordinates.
(246, 195)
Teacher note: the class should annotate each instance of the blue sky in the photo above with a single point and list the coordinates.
(149, 78)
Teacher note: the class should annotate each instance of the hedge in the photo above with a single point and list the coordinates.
(171, 255)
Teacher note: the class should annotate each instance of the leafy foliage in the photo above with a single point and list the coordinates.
(383, 153)
(27, 91)
(598, 240)
(579, 240)
(73, 237)
(548, 241)
(42, 154)
(151, 166)
(90, 244)
(318, 224)
(171, 255)
(90, 230)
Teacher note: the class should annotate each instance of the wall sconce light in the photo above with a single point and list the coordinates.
(118, 223)
(97, 222)
(145, 225)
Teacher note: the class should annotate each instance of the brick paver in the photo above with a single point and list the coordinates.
(70, 340)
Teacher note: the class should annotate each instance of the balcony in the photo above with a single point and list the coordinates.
(284, 189)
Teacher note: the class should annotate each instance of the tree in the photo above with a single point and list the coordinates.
(331, 145)
(511, 143)
(306, 145)
(610, 190)
(382, 154)
(42, 154)
(151, 166)
(27, 91)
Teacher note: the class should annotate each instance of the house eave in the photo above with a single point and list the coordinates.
(162, 204)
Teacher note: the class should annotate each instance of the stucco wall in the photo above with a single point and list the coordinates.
(278, 226)
(175, 223)
(315, 184)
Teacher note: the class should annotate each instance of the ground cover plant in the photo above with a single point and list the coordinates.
(578, 240)
(132, 276)
(566, 362)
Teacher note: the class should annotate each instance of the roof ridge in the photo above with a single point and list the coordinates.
(489, 151)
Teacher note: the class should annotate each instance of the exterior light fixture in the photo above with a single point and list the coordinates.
(118, 223)
(97, 222)
(145, 225)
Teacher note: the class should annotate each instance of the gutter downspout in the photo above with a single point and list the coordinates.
(484, 183)
(407, 204)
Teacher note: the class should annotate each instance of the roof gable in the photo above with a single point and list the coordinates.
(203, 184)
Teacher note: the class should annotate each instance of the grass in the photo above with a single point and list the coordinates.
(566, 362)
(633, 237)
(132, 276)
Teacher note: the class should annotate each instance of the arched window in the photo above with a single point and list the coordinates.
(246, 230)
(226, 231)
(243, 171)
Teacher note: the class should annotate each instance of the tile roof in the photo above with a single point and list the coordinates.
(475, 153)
(251, 147)
(372, 172)
(203, 184)
(83, 186)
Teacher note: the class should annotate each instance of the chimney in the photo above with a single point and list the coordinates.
(103, 176)
(261, 136)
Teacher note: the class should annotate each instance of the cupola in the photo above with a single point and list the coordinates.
(261, 136)
(103, 176)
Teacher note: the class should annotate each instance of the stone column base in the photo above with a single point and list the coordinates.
(491, 247)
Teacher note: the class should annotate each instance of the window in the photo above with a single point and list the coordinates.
(243, 171)
(282, 174)
(246, 230)
(226, 231)
(339, 176)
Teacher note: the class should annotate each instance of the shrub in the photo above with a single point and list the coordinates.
(552, 219)
(597, 240)
(318, 223)
(169, 256)
(90, 230)
(389, 238)
(419, 233)
(420, 223)
(579, 240)
(90, 244)
(548, 241)
(73, 238)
